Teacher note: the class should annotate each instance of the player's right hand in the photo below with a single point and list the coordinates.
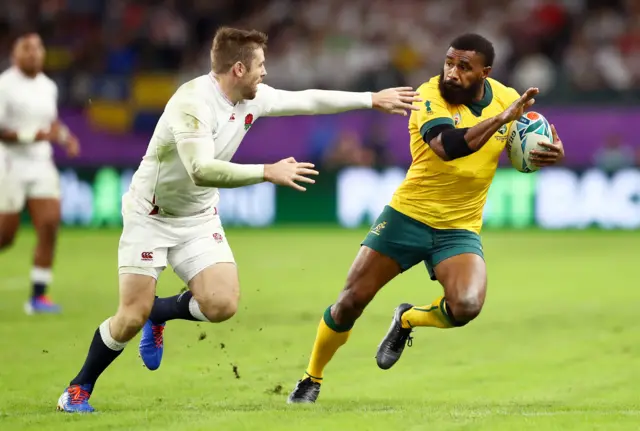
(517, 108)
(287, 171)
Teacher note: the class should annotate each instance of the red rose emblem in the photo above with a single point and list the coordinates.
(248, 121)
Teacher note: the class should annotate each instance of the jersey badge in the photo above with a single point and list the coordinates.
(248, 121)
(428, 106)
(502, 131)
(376, 230)
(456, 119)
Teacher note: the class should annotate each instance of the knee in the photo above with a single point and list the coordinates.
(128, 322)
(350, 305)
(133, 321)
(464, 308)
(219, 307)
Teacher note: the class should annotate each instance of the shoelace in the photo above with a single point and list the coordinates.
(78, 395)
(44, 299)
(402, 339)
(157, 334)
(303, 386)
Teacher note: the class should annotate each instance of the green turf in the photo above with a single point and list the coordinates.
(556, 347)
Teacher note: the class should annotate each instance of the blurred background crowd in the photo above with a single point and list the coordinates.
(127, 56)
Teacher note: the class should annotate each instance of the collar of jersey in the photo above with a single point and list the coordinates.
(477, 107)
(216, 84)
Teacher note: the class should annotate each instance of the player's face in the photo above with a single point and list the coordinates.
(254, 75)
(463, 76)
(28, 54)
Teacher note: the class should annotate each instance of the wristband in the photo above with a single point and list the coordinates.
(26, 136)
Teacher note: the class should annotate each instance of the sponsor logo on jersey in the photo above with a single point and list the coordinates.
(501, 135)
(233, 117)
(146, 256)
(428, 105)
(218, 237)
(456, 119)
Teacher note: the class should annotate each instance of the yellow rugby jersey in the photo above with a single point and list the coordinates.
(451, 195)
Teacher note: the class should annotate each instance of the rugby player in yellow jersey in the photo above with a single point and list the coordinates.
(435, 215)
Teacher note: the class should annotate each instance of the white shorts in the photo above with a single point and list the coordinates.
(188, 244)
(22, 179)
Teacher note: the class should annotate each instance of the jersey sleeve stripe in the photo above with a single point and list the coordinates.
(433, 123)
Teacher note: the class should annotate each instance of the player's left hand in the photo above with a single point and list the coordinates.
(553, 154)
(72, 146)
(396, 100)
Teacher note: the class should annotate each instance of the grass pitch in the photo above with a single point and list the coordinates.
(556, 347)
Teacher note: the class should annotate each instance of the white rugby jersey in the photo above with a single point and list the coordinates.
(27, 104)
(199, 108)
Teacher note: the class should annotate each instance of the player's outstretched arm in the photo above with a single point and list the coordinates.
(191, 122)
(205, 171)
(312, 102)
(454, 143)
(196, 154)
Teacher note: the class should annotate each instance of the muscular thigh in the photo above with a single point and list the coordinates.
(463, 277)
(216, 283)
(136, 292)
(44, 213)
(369, 272)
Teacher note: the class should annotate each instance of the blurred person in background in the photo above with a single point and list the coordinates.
(28, 124)
(614, 155)
(347, 150)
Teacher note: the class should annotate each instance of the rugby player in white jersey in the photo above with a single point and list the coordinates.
(170, 214)
(28, 176)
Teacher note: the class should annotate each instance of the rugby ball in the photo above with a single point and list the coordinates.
(525, 134)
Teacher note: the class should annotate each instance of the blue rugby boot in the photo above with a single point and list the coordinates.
(41, 305)
(75, 399)
(152, 345)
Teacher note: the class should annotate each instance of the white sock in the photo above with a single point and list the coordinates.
(107, 339)
(194, 309)
(41, 275)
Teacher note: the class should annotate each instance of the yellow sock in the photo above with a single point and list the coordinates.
(434, 315)
(329, 338)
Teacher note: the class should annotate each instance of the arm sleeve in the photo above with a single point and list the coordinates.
(190, 123)
(280, 103)
(434, 112)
